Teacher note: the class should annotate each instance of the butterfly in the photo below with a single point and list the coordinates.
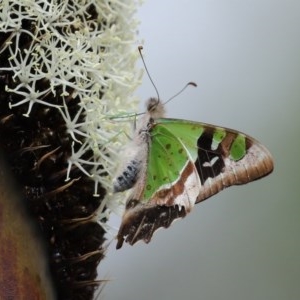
(172, 164)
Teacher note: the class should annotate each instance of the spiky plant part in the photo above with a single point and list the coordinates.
(65, 68)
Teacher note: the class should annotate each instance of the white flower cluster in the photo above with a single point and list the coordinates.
(94, 59)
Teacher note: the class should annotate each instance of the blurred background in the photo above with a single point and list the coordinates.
(243, 243)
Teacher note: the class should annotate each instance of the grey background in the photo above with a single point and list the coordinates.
(243, 243)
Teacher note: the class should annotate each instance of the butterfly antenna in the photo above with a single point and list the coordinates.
(188, 84)
(141, 54)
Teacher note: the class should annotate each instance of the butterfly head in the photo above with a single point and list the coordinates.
(155, 108)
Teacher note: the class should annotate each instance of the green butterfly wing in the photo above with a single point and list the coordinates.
(222, 156)
(187, 163)
(171, 147)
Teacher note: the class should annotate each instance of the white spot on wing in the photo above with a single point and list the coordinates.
(212, 162)
(214, 145)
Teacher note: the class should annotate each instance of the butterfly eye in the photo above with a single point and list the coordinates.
(152, 104)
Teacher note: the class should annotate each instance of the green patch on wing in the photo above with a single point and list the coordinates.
(173, 143)
(238, 147)
(218, 137)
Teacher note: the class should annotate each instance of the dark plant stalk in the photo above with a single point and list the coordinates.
(64, 67)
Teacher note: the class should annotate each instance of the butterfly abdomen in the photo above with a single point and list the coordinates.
(128, 177)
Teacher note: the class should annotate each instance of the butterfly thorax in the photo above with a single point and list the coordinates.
(135, 153)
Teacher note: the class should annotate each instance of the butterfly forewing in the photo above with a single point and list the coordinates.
(224, 156)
